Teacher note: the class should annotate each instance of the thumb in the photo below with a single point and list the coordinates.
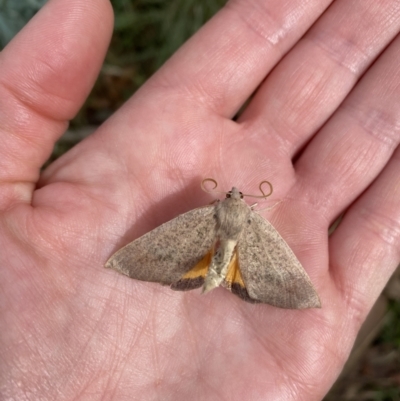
(46, 73)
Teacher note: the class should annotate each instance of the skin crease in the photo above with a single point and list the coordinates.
(71, 329)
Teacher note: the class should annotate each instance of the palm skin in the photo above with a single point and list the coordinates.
(71, 329)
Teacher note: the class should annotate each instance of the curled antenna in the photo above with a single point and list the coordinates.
(212, 189)
(263, 196)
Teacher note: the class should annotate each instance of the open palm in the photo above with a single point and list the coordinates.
(71, 329)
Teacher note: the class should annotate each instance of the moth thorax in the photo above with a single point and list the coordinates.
(232, 216)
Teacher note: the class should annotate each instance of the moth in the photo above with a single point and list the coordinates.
(225, 244)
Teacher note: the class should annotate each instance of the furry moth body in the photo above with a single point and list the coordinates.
(226, 244)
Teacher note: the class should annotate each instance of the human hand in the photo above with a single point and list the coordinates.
(72, 329)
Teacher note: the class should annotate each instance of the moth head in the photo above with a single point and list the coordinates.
(234, 194)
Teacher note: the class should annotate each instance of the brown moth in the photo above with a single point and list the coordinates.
(224, 244)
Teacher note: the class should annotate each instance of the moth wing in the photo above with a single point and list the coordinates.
(270, 270)
(166, 253)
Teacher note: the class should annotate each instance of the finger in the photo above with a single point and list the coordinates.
(352, 149)
(227, 59)
(46, 73)
(365, 249)
(314, 78)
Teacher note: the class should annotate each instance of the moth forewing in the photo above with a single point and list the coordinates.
(270, 270)
(169, 251)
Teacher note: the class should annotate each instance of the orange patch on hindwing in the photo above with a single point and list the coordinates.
(194, 278)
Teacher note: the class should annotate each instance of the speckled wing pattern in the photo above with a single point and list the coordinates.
(270, 270)
(164, 254)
